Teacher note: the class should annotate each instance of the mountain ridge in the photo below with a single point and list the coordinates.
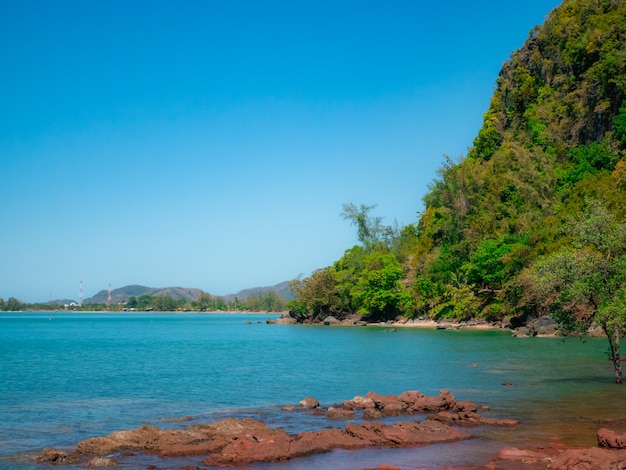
(122, 294)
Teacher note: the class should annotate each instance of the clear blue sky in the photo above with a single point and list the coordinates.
(212, 144)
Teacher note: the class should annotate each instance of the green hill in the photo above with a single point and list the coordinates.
(554, 136)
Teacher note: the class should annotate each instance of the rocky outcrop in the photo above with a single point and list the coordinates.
(611, 439)
(275, 445)
(234, 442)
(542, 326)
(285, 319)
(240, 442)
(557, 457)
(448, 410)
(592, 458)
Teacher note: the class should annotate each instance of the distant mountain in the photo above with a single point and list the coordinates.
(122, 294)
(281, 289)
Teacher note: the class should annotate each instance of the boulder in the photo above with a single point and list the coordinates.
(57, 457)
(389, 405)
(309, 403)
(425, 404)
(610, 439)
(359, 403)
(339, 413)
(284, 319)
(372, 413)
(330, 320)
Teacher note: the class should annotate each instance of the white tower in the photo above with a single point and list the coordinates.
(80, 295)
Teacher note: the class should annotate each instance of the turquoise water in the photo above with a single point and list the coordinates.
(69, 376)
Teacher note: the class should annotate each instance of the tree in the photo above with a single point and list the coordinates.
(204, 302)
(369, 229)
(316, 295)
(585, 284)
(379, 292)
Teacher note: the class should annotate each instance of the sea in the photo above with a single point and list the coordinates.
(68, 376)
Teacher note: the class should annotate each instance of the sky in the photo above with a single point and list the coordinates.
(212, 144)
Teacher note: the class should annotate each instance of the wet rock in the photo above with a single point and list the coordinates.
(101, 462)
(309, 403)
(284, 319)
(372, 413)
(389, 405)
(463, 418)
(523, 456)
(359, 403)
(243, 441)
(57, 457)
(610, 439)
(338, 413)
(592, 458)
(318, 442)
(258, 445)
(426, 404)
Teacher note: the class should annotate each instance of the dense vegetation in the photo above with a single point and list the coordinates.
(549, 159)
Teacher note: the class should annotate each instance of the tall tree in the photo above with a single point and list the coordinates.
(585, 284)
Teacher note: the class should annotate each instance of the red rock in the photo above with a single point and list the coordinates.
(524, 456)
(309, 403)
(412, 433)
(610, 439)
(316, 442)
(410, 396)
(338, 413)
(57, 457)
(469, 419)
(267, 445)
(592, 458)
(359, 403)
(101, 462)
(372, 413)
(445, 401)
(466, 406)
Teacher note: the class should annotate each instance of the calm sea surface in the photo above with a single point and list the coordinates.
(69, 376)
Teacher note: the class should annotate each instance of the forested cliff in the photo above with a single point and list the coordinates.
(551, 152)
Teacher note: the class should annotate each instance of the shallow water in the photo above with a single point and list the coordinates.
(68, 376)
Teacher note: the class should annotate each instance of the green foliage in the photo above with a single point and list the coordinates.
(619, 124)
(316, 295)
(378, 292)
(585, 284)
(553, 136)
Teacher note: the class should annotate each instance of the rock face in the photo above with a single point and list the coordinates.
(610, 439)
(590, 459)
(234, 442)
